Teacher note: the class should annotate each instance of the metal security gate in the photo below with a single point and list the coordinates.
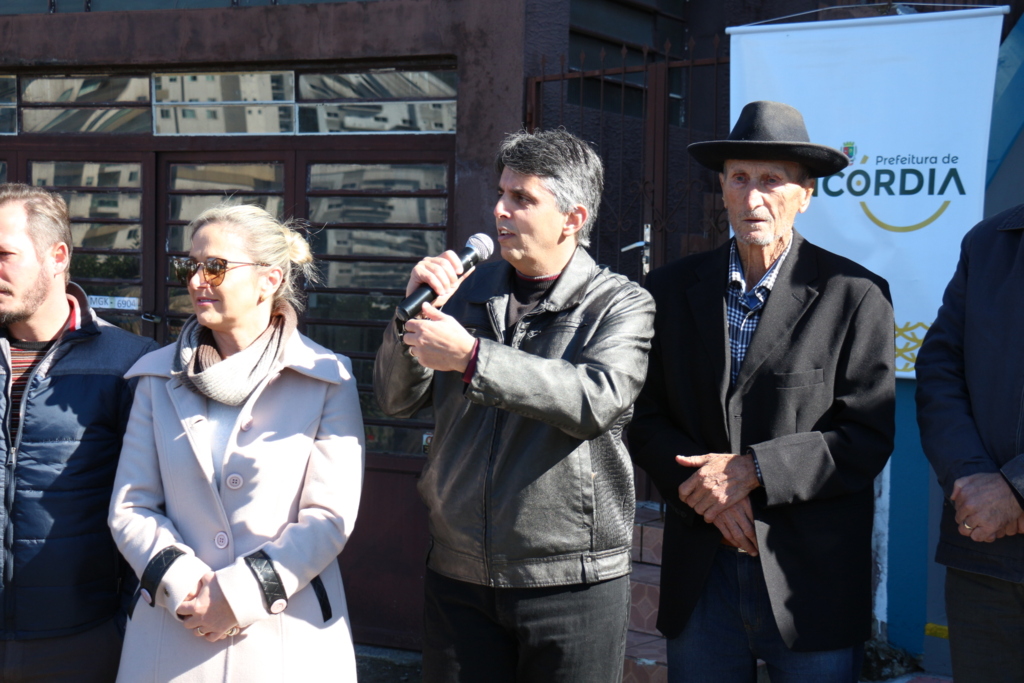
(658, 205)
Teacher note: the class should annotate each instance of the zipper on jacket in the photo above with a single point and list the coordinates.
(12, 463)
(499, 420)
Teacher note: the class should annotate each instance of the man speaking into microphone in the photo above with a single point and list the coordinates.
(532, 369)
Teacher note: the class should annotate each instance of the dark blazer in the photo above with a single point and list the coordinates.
(814, 400)
(970, 385)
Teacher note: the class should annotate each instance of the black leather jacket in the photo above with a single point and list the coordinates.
(527, 481)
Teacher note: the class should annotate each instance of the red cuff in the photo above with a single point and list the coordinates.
(467, 376)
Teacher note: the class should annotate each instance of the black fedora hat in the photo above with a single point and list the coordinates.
(770, 131)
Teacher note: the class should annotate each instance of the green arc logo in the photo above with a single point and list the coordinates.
(903, 228)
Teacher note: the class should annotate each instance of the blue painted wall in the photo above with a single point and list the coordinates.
(909, 554)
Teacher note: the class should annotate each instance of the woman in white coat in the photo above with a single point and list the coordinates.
(240, 474)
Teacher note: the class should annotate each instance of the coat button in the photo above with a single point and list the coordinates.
(246, 424)
(221, 540)
(234, 481)
(278, 606)
(144, 594)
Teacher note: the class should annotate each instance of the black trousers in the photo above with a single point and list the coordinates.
(986, 628)
(88, 657)
(560, 634)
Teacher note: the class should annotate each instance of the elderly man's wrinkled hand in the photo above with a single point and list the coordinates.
(985, 506)
(721, 481)
(737, 526)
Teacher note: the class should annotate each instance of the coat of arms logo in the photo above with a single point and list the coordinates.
(850, 150)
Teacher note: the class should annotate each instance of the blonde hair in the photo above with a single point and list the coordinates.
(268, 240)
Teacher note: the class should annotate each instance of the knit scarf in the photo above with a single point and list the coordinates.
(230, 380)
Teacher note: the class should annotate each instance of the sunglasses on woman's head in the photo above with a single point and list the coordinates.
(184, 268)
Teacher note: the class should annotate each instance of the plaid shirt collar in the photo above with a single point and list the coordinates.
(756, 297)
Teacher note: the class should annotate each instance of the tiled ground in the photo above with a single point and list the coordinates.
(645, 648)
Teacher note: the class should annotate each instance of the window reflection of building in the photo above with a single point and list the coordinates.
(386, 116)
(259, 117)
(339, 210)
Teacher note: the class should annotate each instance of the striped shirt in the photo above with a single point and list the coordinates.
(743, 309)
(25, 356)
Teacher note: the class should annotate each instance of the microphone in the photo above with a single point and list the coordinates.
(478, 248)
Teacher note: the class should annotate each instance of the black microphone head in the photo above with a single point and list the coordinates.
(482, 244)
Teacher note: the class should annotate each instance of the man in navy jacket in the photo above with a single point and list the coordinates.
(970, 407)
(65, 405)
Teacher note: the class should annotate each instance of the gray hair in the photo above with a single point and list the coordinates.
(268, 240)
(569, 168)
(48, 220)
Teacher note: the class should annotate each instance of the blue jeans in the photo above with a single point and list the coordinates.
(733, 626)
(563, 634)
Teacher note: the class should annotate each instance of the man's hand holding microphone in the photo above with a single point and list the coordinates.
(436, 340)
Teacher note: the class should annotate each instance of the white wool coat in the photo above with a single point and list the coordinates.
(298, 449)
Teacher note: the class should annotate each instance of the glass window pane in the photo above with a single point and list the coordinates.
(370, 242)
(622, 23)
(188, 207)
(178, 238)
(87, 120)
(85, 89)
(126, 321)
(237, 119)
(114, 297)
(393, 177)
(362, 370)
(8, 120)
(174, 326)
(345, 339)
(371, 409)
(103, 204)
(378, 85)
(106, 235)
(84, 174)
(3, 171)
(422, 210)
(384, 439)
(345, 274)
(8, 90)
(275, 86)
(351, 306)
(252, 177)
(383, 117)
(105, 266)
(178, 300)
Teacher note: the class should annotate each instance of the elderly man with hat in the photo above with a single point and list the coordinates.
(767, 413)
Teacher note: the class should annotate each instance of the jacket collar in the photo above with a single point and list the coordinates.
(89, 323)
(567, 292)
(795, 289)
(1015, 221)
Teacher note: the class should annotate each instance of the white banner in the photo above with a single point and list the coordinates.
(909, 99)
